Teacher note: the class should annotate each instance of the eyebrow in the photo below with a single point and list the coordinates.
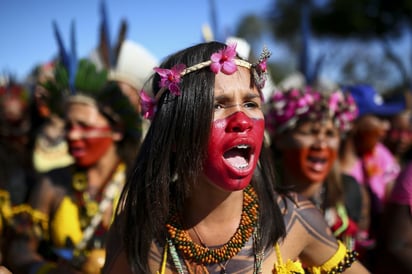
(249, 95)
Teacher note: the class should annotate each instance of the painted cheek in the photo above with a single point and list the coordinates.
(96, 148)
(87, 151)
(217, 169)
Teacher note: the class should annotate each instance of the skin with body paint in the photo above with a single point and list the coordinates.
(237, 132)
(309, 151)
(88, 133)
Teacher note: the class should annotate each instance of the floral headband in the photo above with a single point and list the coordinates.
(222, 61)
(284, 109)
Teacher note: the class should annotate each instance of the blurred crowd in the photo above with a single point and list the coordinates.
(68, 138)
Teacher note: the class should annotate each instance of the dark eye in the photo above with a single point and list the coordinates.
(218, 106)
(332, 133)
(251, 105)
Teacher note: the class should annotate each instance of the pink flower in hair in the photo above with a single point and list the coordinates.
(277, 96)
(224, 60)
(148, 105)
(170, 78)
(263, 65)
(334, 100)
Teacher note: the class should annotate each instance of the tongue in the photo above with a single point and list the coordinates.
(235, 158)
(318, 166)
(237, 161)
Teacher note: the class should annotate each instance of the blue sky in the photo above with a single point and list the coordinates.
(159, 25)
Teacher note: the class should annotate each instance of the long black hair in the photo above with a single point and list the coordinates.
(175, 145)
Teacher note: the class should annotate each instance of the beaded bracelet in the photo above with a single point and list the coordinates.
(347, 261)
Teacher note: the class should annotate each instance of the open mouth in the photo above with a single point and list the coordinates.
(238, 156)
(76, 151)
(317, 163)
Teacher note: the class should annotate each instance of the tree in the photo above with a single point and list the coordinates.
(365, 22)
(379, 21)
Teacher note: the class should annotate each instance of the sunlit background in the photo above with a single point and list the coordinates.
(342, 41)
(161, 26)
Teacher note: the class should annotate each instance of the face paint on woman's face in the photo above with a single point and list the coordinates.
(233, 155)
(309, 151)
(237, 132)
(89, 135)
(308, 165)
(93, 144)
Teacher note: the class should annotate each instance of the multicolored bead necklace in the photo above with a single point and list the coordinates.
(203, 255)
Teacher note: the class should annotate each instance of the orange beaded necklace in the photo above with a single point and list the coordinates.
(204, 255)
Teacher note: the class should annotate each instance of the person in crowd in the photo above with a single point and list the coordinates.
(133, 67)
(395, 239)
(305, 126)
(47, 142)
(202, 197)
(72, 207)
(378, 168)
(399, 136)
(16, 172)
(128, 62)
(365, 157)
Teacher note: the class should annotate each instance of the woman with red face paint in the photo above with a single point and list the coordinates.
(306, 126)
(71, 208)
(202, 197)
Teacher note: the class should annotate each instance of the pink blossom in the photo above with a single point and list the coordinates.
(170, 78)
(148, 105)
(224, 60)
(294, 93)
(334, 100)
(277, 96)
(263, 66)
(302, 102)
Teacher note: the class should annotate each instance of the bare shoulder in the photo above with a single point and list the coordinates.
(306, 229)
(308, 236)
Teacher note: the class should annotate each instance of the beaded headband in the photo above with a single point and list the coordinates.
(222, 61)
(286, 108)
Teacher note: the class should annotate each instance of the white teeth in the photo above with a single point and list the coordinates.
(242, 146)
(242, 166)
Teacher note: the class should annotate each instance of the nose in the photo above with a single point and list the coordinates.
(73, 134)
(239, 122)
(320, 141)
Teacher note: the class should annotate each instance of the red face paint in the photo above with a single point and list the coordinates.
(88, 144)
(308, 165)
(233, 150)
(309, 151)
